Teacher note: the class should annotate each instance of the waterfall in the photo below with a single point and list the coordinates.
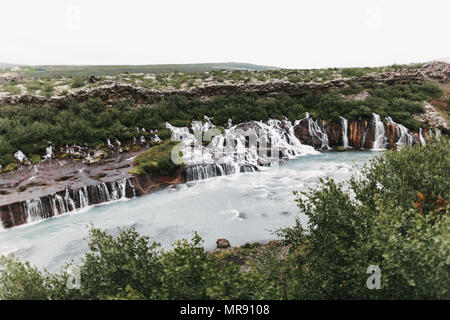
(406, 137)
(48, 153)
(421, 138)
(379, 140)
(33, 209)
(20, 156)
(118, 189)
(316, 131)
(71, 200)
(240, 148)
(344, 123)
(83, 197)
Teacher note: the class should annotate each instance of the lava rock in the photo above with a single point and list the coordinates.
(223, 243)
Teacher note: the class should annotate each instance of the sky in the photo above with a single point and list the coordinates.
(289, 34)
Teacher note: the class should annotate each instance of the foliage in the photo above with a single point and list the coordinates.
(128, 266)
(29, 128)
(398, 219)
(156, 160)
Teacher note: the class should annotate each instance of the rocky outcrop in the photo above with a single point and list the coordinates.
(223, 243)
(115, 91)
(431, 117)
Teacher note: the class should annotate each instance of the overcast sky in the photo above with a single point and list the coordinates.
(294, 34)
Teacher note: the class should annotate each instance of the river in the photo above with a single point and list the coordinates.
(242, 208)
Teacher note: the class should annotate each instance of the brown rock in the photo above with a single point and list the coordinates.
(223, 243)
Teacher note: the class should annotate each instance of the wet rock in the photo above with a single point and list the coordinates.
(223, 243)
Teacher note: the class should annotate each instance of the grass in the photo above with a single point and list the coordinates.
(156, 161)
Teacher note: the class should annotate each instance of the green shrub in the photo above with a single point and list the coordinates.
(77, 82)
(397, 219)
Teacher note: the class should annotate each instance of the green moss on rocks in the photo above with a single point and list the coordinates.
(11, 167)
(156, 161)
(35, 159)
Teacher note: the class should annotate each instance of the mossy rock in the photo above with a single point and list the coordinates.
(11, 167)
(156, 161)
(341, 149)
(35, 159)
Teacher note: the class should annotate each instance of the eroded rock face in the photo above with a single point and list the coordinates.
(310, 133)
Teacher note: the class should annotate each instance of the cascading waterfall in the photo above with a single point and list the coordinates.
(245, 147)
(380, 139)
(406, 137)
(68, 200)
(344, 123)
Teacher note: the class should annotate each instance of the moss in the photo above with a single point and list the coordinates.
(35, 158)
(156, 161)
(340, 149)
(11, 167)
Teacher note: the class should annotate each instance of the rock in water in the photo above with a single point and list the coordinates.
(223, 243)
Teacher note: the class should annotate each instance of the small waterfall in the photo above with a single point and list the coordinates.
(406, 137)
(205, 171)
(20, 156)
(179, 133)
(379, 140)
(71, 200)
(48, 153)
(83, 197)
(421, 138)
(118, 190)
(316, 131)
(344, 123)
(33, 209)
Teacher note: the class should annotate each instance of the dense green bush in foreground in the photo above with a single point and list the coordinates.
(394, 215)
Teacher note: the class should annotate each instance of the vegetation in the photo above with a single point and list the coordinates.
(169, 77)
(394, 215)
(30, 128)
(157, 160)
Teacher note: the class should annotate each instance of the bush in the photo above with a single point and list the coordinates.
(398, 219)
(77, 82)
